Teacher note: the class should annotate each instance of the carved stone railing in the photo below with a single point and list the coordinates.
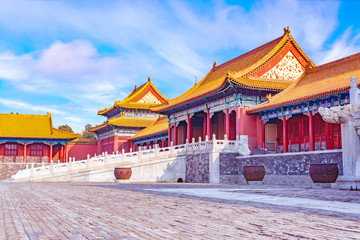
(240, 145)
(349, 118)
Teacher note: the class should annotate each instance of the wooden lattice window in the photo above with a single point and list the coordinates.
(11, 149)
(36, 149)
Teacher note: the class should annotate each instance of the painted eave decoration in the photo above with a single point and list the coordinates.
(318, 82)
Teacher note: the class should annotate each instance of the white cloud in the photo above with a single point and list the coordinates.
(75, 119)
(17, 104)
(344, 46)
(76, 58)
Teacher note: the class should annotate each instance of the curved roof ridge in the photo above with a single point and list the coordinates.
(335, 62)
(249, 52)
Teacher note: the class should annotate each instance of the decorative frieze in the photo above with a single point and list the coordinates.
(229, 102)
(143, 115)
(305, 108)
(118, 132)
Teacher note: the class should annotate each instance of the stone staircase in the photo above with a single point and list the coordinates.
(153, 165)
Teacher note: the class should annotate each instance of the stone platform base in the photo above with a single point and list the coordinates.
(349, 183)
(255, 182)
(122, 181)
(326, 185)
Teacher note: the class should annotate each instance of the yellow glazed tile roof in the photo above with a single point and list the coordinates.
(131, 101)
(31, 126)
(261, 83)
(140, 122)
(324, 80)
(131, 121)
(98, 127)
(161, 125)
(84, 141)
(238, 70)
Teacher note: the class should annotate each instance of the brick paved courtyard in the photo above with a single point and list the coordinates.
(175, 211)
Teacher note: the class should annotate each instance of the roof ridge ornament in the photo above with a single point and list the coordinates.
(214, 65)
(287, 30)
(149, 80)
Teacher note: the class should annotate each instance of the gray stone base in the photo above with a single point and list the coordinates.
(289, 180)
(348, 183)
(122, 181)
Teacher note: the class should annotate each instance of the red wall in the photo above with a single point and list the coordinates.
(113, 144)
(80, 151)
(249, 126)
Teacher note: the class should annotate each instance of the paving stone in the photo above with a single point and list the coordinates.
(147, 211)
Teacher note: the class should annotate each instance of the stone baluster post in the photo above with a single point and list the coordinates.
(226, 141)
(187, 147)
(70, 164)
(106, 158)
(51, 167)
(32, 171)
(213, 140)
(123, 155)
(88, 161)
(237, 142)
(140, 153)
(156, 149)
(214, 162)
(171, 148)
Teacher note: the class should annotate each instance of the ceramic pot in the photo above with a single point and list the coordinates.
(324, 173)
(254, 173)
(122, 173)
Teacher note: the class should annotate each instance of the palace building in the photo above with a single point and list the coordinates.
(291, 118)
(32, 138)
(219, 103)
(156, 133)
(128, 117)
(271, 94)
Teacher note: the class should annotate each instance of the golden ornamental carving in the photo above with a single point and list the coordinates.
(289, 68)
(149, 98)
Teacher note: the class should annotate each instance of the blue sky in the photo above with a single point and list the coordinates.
(73, 58)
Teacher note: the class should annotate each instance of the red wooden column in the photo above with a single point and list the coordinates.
(50, 152)
(162, 143)
(189, 128)
(66, 153)
(300, 133)
(285, 135)
(169, 135)
(61, 154)
(175, 135)
(204, 126)
(238, 120)
(262, 134)
(208, 124)
(327, 136)
(227, 123)
(24, 160)
(116, 145)
(311, 131)
(99, 144)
